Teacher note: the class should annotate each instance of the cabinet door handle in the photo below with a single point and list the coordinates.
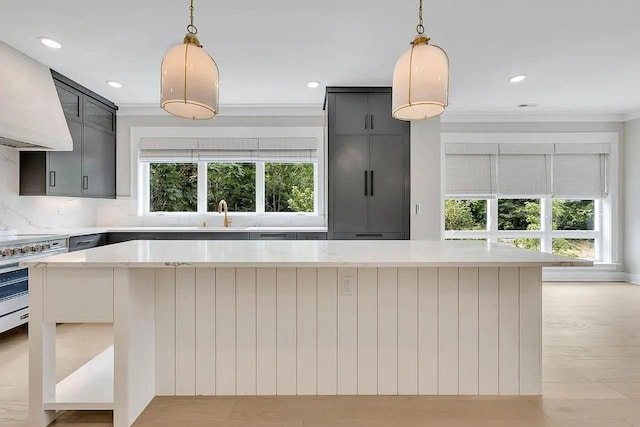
(366, 184)
(371, 121)
(52, 178)
(366, 121)
(85, 182)
(372, 183)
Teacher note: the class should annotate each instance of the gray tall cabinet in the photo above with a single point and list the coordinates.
(369, 166)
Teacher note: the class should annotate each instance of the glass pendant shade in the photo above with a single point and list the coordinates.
(421, 82)
(189, 81)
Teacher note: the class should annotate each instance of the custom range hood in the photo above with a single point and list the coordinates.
(31, 116)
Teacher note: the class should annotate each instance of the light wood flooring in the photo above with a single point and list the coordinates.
(591, 379)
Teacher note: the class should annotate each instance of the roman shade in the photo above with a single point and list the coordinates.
(470, 170)
(510, 170)
(523, 170)
(278, 150)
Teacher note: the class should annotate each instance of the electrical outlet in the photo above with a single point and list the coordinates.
(60, 209)
(347, 286)
(418, 209)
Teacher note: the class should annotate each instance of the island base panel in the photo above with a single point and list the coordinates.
(293, 331)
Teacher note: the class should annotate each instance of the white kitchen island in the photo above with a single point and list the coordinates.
(286, 318)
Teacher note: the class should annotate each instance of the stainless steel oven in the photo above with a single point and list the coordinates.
(14, 280)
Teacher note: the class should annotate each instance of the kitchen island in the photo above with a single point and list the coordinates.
(288, 318)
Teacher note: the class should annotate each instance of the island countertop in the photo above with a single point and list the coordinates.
(407, 253)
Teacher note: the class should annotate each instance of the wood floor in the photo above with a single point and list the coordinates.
(591, 379)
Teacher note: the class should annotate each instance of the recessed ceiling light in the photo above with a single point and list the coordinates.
(49, 42)
(313, 85)
(518, 78)
(114, 84)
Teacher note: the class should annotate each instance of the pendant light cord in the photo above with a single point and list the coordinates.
(420, 27)
(192, 29)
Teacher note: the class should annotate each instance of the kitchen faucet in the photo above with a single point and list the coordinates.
(223, 205)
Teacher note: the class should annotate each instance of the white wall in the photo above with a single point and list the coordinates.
(34, 214)
(426, 182)
(632, 200)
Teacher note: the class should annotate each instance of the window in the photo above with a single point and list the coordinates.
(288, 187)
(550, 192)
(173, 187)
(251, 187)
(233, 182)
(518, 214)
(560, 226)
(465, 214)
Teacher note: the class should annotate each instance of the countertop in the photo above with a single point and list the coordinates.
(336, 253)
(72, 232)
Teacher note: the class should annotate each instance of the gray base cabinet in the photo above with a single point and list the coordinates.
(90, 169)
(369, 166)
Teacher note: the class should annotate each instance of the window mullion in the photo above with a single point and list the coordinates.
(202, 187)
(546, 205)
(260, 190)
(493, 220)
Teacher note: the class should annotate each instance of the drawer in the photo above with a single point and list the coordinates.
(231, 235)
(119, 237)
(368, 236)
(273, 236)
(78, 243)
(312, 236)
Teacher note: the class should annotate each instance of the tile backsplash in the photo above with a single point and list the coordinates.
(35, 214)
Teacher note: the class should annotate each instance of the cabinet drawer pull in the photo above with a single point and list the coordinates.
(369, 235)
(281, 235)
(85, 182)
(52, 178)
(83, 242)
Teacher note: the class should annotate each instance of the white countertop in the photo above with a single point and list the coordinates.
(72, 232)
(336, 253)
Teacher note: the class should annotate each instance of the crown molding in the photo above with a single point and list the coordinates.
(235, 110)
(632, 115)
(522, 117)
(275, 110)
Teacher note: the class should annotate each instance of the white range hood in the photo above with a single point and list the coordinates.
(31, 117)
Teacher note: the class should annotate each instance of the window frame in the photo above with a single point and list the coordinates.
(546, 234)
(609, 246)
(202, 206)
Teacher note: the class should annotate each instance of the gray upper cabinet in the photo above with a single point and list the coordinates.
(66, 166)
(380, 118)
(71, 101)
(98, 162)
(369, 166)
(90, 169)
(352, 113)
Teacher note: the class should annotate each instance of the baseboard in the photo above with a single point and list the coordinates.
(584, 275)
(633, 278)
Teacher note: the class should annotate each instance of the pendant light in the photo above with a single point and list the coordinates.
(421, 79)
(189, 79)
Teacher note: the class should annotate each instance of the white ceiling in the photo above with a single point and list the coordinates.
(580, 56)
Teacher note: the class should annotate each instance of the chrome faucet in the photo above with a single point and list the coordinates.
(223, 205)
